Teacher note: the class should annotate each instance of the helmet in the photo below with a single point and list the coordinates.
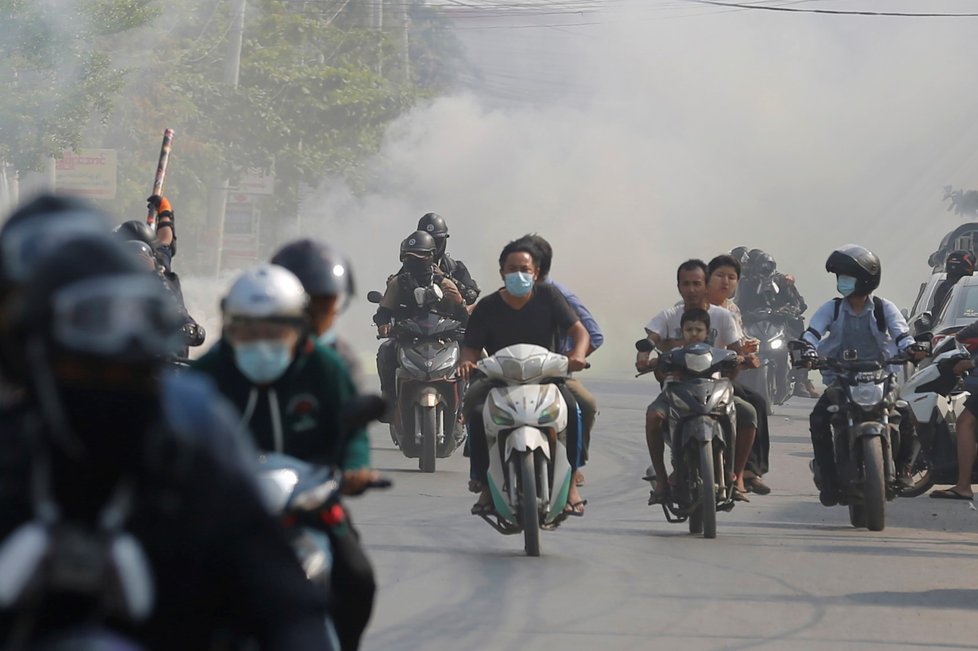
(142, 253)
(322, 270)
(418, 244)
(761, 263)
(266, 292)
(36, 228)
(433, 224)
(858, 262)
(960, 263)
(90, 297)
(739, 253)
(137, 230)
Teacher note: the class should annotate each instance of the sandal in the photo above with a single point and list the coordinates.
(756, 485)
(483, 509)
(950, 494)
(576, 508)
(739, 495)
(658, 498)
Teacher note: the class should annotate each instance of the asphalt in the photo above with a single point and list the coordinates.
(783, 573)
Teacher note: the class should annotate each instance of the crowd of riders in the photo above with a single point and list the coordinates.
(113, 449)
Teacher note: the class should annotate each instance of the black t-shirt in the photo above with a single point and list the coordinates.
(494, 324)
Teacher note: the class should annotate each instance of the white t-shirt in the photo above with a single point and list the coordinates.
(723, 328)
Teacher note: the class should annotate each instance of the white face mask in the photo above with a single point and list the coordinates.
(263, 362)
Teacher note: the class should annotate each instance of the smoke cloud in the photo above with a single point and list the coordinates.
(644, 133)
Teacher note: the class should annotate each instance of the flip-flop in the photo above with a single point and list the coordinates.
(483, 509)
(755, 485)
(949, 494)
(740, 496)
(658, 498)
(573, 508)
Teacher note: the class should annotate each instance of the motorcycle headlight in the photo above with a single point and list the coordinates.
(499, 416)
(776, 344)
(549, 414)
(867, 395)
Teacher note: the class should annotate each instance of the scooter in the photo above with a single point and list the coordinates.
(525, 418)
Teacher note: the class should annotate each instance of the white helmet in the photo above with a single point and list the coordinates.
(266, 292)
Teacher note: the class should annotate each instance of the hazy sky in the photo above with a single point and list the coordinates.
(648, 132)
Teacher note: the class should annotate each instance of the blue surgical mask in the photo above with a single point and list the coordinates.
(518, 283)
(263, 362)
(328, 338)
(845, 284)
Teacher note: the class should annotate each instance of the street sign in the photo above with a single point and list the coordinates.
(89, 173)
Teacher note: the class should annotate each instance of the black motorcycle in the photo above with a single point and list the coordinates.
(775, 379)
(427, 423)
(702, 433)
(863, 435)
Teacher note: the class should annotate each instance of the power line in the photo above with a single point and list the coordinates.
(835, 12)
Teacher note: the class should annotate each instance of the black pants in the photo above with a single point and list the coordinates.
(387, 367)
(824, 447)
(757, 462)
(353, 584)
(475, 398)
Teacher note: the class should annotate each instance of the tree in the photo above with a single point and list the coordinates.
(57, 72)
(961, 202)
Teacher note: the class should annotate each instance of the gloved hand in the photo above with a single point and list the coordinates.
(161, 205)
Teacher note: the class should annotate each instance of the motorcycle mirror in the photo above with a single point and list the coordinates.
(374, 297)
(644, 346)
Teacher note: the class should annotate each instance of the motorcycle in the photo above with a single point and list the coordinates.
(702, 433)
(307, 500)
(863, 436)
(427, 423)
(525, 416)
(936, 397)
(775, 379)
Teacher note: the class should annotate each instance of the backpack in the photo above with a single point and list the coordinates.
(878, 313)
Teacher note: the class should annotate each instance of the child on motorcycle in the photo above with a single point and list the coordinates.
(695, 325)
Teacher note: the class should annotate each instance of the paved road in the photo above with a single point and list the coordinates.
(784, 572)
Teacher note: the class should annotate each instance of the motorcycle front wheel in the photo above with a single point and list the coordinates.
(874, 484)
(429, 439)
(704, 518)
(529, 516)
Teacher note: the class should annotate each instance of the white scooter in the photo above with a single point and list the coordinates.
(936, 397)
(525, 419)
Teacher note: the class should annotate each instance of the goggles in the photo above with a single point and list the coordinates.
(116, 315)
(24, 245)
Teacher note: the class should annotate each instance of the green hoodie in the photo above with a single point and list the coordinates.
(298, 414)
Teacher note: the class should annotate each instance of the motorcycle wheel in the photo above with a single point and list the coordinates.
(429, 442)
(708, 493)
(529, 516)
(874, 484)
(923, 481)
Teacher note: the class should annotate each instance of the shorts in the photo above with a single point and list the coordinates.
(746, 414)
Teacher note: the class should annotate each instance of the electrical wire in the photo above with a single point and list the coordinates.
(834, 12)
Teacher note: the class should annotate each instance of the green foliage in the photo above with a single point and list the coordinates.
(961, 202)
(57, 73)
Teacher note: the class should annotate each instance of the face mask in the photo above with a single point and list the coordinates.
(518, 283)
(845, 284)
(263, 362)
(328, 338)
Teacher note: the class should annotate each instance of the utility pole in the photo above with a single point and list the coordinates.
(217, 196)
(405, 42)
(379, 26)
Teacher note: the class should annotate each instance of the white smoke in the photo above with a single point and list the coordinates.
(652, 132)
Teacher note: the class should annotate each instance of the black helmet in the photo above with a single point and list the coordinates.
(322, 270)
(418, 244)
(36, 228)
(739, 253)
(139, 231)
(858, 262)
(434, 225)
(92, 298)
(761, 263)
(960, 263)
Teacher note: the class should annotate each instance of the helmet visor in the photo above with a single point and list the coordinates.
(23, 245)
(117, 315)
